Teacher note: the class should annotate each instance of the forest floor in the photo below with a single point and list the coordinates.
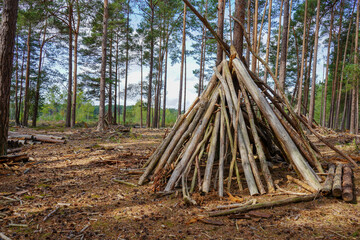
(66, 191)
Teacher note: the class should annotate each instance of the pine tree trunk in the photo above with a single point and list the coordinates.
(220, 29)
(334, 83)
(254, 43)
(68, 108)
(21, 88)
(303, 54)
(17, 81)
(158, 88)
(127, 60)
(7, 42)
(248, 27)
(182, 61)
(268, 40)
(284, 42)
(240, 6)
(278, 40)
(38, 82)
(109, 113)
(148, 116)
(101, 123)
(323, 117)
(313, 80)
(27, 81)
(141, 88)
(74, 93)
(307, 84)
(165, 87)
(116, 79)
(354, 110)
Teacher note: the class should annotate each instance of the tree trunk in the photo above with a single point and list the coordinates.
(21, 88)
(248, 27)
(127, 60)
(38, 82)
(109, 114)
(27, 81)
(254, 43)
(74, 94)
(307, 84)
(278, 40)
(68, 108)
(116, 79)
(313, 80)
(240, 6)
(17, 81)
(182, 61)
(101, 123)
(268, 40)
(7, 42)
(141, 88)
(148, 116)
(303, 54)
(354, 113)
(323, 117)
(334, 83)
(165, 87)
(284, 42)
(220, 29)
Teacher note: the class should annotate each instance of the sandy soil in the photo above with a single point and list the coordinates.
(66, 191)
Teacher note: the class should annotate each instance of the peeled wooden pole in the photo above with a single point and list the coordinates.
(241, 142)
(259, 148)
(301, 184)
(347, 184)
(326, 190)
(182, 134)
(212, 152)
(281, 202)
(288, 145)
(222, 155)
(192, 144)
(336, 188)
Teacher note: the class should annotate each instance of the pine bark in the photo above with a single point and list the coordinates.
(354, 110)
(313, 80)
(240, 6)
(220, 29)
(27, 81)
(303, 54)
(101, 123)
(116, 79)
(148, 115)
(182, 61)
(38, 81)
(127, 59)
(268, 40)
(7, 42)
(74, 93)
(334, 83)
(69, 94)
(284, 43)
(323, 117)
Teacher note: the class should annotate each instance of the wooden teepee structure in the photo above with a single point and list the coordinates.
(240, 115)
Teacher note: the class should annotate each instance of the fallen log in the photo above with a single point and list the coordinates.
(347, 184)
(326, 190)
(14, 158)
(48, 139)
(301, 184)
(281, 202)
(336, 188)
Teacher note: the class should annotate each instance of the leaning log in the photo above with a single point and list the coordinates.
(347, 184)
(288, 145)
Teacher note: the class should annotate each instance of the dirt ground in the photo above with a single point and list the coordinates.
(67, 191)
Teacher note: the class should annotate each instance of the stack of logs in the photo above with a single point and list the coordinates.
(236, 126)
(339, 182)
(16, 140)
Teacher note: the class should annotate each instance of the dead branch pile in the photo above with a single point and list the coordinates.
(237, 125)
